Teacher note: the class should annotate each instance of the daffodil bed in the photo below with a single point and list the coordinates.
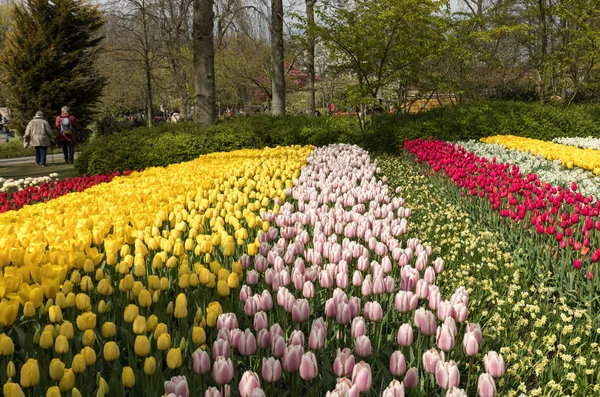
(255, 272)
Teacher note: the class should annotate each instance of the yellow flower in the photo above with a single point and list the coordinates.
(139, 325)
(88, 338)
(29, 309)
(67, 381)
(180, 306)
(11, 371)
(174, 359)
(7, 347)
(78, 365)
(61, 344)
(213, 311)
(233, 281)
(160, 329)
(142, 345)
(131, 312)
(111, 351)
(152, 323)
(163, 342)
(66, 329)
(90, 355)
(86, 321)
(150, 366)
(56, 369)
(108, 330)
(222, 288)
(55, 314)
(53, 391)
(75, 392)
(30, 373)
(144, 298)
(46, 339)
(83, 302)
(198, 335)
(128, 377)
(12, 390)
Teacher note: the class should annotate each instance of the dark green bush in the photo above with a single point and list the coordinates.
(173, 143)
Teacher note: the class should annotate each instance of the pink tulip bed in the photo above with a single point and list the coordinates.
(340, 301)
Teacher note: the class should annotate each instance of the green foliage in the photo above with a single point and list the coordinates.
(49, 58)
(172, 143)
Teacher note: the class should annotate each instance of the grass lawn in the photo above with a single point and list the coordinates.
(32, 170)
(14, 148)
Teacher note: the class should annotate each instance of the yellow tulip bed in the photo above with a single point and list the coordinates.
(100, 287)
(569, 156)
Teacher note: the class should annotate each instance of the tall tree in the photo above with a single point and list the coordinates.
(277, 56)
(310, 56)
(205, 110)
(49, 58)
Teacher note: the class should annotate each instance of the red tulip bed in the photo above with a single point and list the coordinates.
(50, 190)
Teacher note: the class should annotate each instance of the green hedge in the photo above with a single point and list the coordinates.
(172, 143)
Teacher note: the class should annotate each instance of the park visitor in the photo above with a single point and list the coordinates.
(38, 133)
(175, 116)
(66, 124)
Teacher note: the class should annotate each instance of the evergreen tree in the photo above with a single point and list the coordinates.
(49, 59)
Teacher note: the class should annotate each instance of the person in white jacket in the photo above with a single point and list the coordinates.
(39, 135)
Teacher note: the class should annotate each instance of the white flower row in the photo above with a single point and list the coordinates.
(548, 171)
(20, 184)
(588, 142)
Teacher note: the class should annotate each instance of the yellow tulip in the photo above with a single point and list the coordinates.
(109, 330)
(71, 300)
(12, 390)
(144, 298)
(104, 287)
(53, 391)
(86, 321)
(55, 314)
(150, 366)
(78, 365)
(170, 308)
(56, 369)
(102, 386)
(61, 300)
(75, 392)
(233, 281)
(128, 377)
(222, 288)
(131, 312)
(61, 344)
(174, 358)
(7, 347)
(90, 356)
(88, 338)
(180, 306)
(11, 371)
(86, 284)
(111, 351)
(66, 329)
(141, 345)
(29, 309)
(164, 284)
(128, 282)
(67, 381)
(137, 288)
(198, 335)
(152, 323)
(163, 342)
(139, 325)
(46, 339)
(30, 373)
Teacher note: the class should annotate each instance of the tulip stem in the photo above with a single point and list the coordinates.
(470, 371)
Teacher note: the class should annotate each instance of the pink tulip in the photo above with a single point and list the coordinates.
(221, 348)
(341, 280)
(362, 346)
(405, 335)
(486, 386)
(357, 278)
(445, 309)
(248, 383)
(395, 389)
(373, 311)
(260, 321)
(252, 277)
(276, 329)
(343, 363)
(297, 338)
(406, 301)
(444, 338)
(316, 338)
(438, 265)
(397, 363)
(330, 308)
(228, 321)
(460, 312)
(235, 336)
(177, 386)
(225, 334)
(434, 297)
(245, 292)
(390, 284)
(366, 288)
(264, 339)
(288, 303)
(325, 279)
(258, 392)
(277, 345)
(300, 311)
(422, 289)
(343, 314)
(308, 290)
(212, 392)
(447, 375)
(361, 376)
(451, 323)
(266, 301)
(494, 364)
(320, 323)
(200, 362)
(222, 370)
(470, 345)
(308, 366)
(292, 358)
(411, 379)
(247, 344)
(354, 304)
(430, 360)
(251, 306)
(476, 330)
(378, 285)
(271, 369)
(358, 327)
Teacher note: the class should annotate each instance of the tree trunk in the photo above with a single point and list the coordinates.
(149, 104)
(310, 17)
(277, 67)
(205, 109)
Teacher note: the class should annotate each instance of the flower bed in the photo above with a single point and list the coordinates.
(589, 142)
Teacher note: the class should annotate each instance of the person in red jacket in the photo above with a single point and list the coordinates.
(66, 124)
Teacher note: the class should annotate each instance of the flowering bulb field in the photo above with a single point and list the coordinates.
(307, 271)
